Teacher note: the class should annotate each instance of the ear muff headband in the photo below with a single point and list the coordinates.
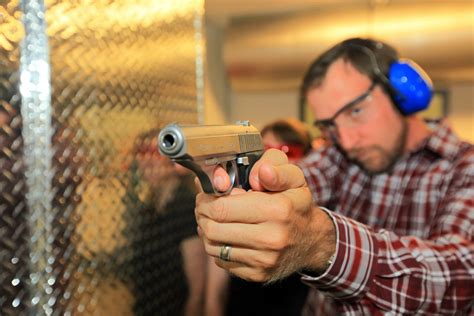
(409, 86)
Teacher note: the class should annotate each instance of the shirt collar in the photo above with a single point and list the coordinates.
(442, 141)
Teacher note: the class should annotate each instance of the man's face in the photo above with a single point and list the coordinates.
(370, 131)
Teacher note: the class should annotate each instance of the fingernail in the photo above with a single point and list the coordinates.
(270, 174)
(255, 178)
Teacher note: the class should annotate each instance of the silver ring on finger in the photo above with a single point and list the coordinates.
(225, 252)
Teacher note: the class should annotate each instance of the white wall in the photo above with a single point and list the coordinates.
(216, 87)
(262, 107)
(461, 110)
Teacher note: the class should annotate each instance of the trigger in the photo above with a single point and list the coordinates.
(231, 168)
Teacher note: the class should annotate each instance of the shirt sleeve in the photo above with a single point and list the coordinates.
(378, 270)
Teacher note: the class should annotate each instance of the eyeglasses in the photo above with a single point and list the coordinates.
(350, 115)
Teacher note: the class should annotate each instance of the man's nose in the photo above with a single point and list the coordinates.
(348, 138)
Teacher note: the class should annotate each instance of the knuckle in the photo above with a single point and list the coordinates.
(199, 198)
(299, 173)
(283, 241)
(197, 213)
(268, 262)
(280, 156)
(219, 210)
(281, 208)
(273, 203)
(278, 240)
(286, 207)
(307, 193)
(258, 276)
(207, 247)
(210, 230)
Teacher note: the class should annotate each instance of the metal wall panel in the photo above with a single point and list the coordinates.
(89, 222)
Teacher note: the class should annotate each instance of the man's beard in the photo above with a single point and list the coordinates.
(388, 157)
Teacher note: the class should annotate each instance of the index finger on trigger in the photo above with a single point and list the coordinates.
(221, 179)
(272, 157)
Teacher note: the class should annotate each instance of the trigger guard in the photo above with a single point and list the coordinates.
(205, 175)
(233, 173)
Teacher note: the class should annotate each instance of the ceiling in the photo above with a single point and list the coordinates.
(268, 44)
(232, 9)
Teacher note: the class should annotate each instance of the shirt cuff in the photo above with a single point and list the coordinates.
(351, 272)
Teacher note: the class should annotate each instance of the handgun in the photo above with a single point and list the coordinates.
(202, 148)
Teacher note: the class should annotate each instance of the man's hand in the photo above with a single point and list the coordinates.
(273, 229)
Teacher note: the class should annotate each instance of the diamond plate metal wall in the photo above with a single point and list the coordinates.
(92, 220)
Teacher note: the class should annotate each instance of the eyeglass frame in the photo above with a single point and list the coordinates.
(327, 124)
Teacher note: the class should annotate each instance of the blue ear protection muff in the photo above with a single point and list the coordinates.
(413, 87)
(409, 86)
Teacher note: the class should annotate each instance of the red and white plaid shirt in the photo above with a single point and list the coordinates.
(404, 238)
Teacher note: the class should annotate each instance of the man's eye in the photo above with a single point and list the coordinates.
(356, 111)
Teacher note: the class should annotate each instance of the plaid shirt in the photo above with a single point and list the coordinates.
(404, 238)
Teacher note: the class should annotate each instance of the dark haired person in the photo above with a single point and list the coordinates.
(380, 220)
(167, 268)
(288, 135)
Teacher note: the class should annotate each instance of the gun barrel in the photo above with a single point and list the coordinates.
(202, 148)
(171, 140)
(201, 141)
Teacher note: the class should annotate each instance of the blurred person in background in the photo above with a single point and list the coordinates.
(167, 268)
(288, 135)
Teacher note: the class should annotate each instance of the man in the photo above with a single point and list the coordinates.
(379, 222)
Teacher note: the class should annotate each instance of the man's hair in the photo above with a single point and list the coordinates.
(368, 56)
